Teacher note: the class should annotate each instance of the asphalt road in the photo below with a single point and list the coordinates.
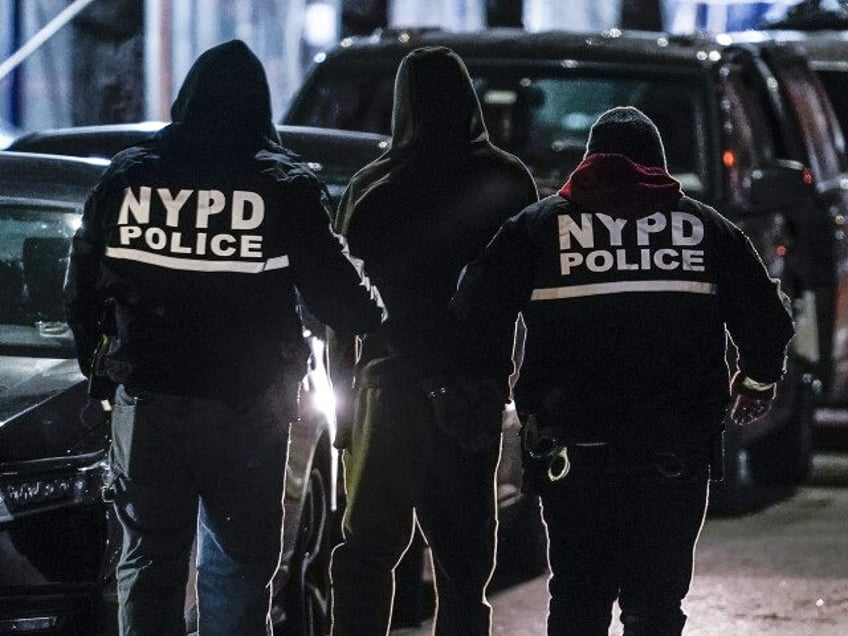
(782, 570)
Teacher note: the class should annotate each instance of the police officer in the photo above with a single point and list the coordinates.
(416, 216)
(626, 287)
(199, 240)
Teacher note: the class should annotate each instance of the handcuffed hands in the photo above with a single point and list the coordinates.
(467, 409)
(749, 403)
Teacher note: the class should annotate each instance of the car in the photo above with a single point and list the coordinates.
(748, 128)
(58, 541)
(335, 155)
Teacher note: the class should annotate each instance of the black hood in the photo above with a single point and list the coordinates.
(434, 102)
(226, 93)
(437, 128)
(625, 130)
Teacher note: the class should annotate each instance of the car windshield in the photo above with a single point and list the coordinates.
(34, 243)
(540, 113)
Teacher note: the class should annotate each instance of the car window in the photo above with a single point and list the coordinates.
(359, 100)
(836, 84)
(821, 131)
(545, 117)
(34, 244)
(541, 113)
(747, 133)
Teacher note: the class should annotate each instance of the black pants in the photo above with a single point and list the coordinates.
(624, 535)
(188, 464)
(399, 467)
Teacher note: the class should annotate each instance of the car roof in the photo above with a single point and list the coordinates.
(106, 140)
(50, 180)
(614, 45)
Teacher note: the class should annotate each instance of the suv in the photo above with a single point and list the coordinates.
(749, 129)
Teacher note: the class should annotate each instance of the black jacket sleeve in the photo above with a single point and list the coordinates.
(756, 312)
(83, 304)
(491, 293)
(332, 282)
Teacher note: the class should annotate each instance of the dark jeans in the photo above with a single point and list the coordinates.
(183, 465)
(630, 536)
(399, 467)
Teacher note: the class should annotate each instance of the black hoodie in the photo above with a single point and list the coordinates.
(201, 237)
(429, 205)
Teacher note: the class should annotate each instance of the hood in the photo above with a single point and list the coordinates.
(226, 93)
(616, 185)
(435, 105)
(41, 402)
(625, 130)
(437, 123)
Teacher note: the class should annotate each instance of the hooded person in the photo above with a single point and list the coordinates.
(416, 216)
(627, 288)
(195, 247)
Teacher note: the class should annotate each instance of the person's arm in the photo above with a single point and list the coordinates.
(758, 317)
(491, 293)
(83, 304)
(331, 281)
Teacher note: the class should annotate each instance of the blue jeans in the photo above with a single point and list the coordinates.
(183, 465)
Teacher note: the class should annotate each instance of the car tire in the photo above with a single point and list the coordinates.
(306, 597)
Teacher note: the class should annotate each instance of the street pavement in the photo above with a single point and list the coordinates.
(782, 570)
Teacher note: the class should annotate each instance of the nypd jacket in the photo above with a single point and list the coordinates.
(202, 238)
(627, 298)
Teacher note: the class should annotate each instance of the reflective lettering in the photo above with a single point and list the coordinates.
(138, 207)
(256, 205)
(583, 232)
(649, 225)
(209, 202)
(173, 205)
(686, 229)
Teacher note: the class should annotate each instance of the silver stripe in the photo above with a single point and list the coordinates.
(598, 289)
(197, 265)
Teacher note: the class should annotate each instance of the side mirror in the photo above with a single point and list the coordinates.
(783, 183)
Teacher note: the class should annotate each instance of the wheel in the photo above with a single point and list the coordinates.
(307, 594)
(784, 455)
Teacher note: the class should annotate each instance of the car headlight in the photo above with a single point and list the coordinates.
(24, 492)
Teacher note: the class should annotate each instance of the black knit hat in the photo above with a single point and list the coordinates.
(630, 132)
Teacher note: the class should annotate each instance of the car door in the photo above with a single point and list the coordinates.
(824, 147)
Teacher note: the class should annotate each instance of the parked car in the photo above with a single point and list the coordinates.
(334, 155)
(748, 128)
(58, 542)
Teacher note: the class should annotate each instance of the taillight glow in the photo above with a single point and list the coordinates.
(728, 158)
(807, 177)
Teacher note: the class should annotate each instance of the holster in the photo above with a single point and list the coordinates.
(100, 386)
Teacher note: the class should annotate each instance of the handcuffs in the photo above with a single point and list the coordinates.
(543, 446)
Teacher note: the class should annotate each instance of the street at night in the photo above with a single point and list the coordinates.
(780, 570)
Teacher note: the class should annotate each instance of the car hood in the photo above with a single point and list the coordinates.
(41, 411)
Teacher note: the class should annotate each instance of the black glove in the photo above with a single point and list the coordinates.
(751, 401)
(467, 409)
